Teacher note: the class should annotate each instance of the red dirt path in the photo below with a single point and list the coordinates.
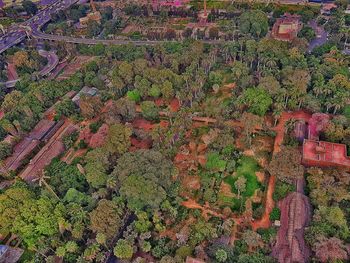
(279, 129)
(265, 221)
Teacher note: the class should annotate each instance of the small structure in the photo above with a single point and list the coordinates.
(93, 16)
(287, 27)
(84, 91)
(317, 124)
(347, 11)
(327, 9)
(156, 4)
(325, 154)
(194, 260)
(9, 254)
(300, 131)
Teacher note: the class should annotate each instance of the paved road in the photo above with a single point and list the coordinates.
(89, 41)
(321, 36)
(52, 62)
(17, 33)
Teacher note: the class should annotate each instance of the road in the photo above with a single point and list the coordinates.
(17, 33)
(52, 62)
(89, 41)
(321, 36)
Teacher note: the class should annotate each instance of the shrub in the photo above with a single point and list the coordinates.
(282, 190)
(275, 214)
(134, 95)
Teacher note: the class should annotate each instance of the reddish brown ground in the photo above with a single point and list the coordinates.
(265, 222)
(280, 128)
(11, 72)
(74, 66)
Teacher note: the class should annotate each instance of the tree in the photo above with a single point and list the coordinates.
(149, 110)
(144, 177)
(32, 219)
(221, 255)
(251, 122)
(254, 22)
(327, 186)
(134, 95)
(257, 100)
(93, 29)
(213, 33)
(64, 176)
(252, 239)
(66, 108)
(90, 106)
(125, 70)
(118, 139)
(30, 7)
(96, 167)
(5, 150)
(154, 91)
(307, 32)
(11, 101)
(141, 193)
(105, 218)
(254, 258)
(330, 250)
(285, 165)
(123, 249)
(240, 185)
(241, 74)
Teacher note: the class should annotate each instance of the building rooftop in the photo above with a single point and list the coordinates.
(287, 27)
(84, 91)
(9, 254)
(320, 153)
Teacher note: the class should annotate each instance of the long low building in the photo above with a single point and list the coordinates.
(52, 149)
(29, 144)
(325, 154)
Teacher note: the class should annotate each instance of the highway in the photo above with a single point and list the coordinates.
(17, 33)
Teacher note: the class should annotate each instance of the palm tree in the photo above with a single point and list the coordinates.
(42, 181)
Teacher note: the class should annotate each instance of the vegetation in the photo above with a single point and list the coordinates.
(178, 152)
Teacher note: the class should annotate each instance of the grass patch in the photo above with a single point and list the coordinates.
(234, 203)
(282, 190)
(247, 168)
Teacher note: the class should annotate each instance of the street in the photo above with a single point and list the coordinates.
(17, 33)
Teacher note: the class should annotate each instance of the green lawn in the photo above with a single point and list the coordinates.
(247, 168)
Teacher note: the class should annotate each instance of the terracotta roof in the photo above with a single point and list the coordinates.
(320, 153)
(194, 260)
(9, 254)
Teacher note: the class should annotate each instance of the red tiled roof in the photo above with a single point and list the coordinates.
(320, 153)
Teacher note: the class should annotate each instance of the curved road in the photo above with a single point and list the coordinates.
(52, 62)
(321, 36)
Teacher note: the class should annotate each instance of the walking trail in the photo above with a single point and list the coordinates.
(265, 221)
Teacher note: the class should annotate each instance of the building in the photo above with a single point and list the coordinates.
(325, 154)
(156, 4)
(327, 9)
(347, 11)
(84, 91)
(287, 27)
(9, 254)
(300, 131)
